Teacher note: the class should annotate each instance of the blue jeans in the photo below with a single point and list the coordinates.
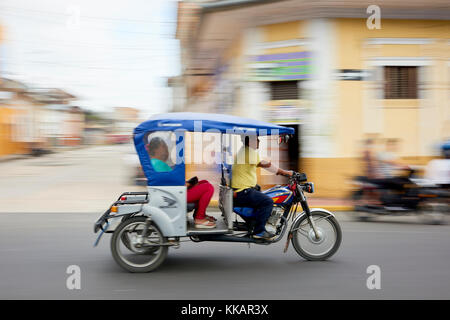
(260, 202)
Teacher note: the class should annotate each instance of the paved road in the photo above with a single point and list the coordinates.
(60, 192)
(36, 249)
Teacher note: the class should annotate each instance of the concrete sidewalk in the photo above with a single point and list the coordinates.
(12, 157)
(22, 156)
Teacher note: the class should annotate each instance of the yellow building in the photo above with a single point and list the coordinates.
(337, 74)
(11, 142)
(8, 114)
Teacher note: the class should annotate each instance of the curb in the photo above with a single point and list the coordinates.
(13, 157)
(55, 150)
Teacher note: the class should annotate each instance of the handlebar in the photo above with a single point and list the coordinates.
(299, 177)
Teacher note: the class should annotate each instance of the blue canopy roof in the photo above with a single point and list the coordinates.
(191, 121)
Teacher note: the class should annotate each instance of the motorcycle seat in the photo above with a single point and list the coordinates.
(244, 211)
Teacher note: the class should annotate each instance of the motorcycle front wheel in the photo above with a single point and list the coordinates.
(306, 243)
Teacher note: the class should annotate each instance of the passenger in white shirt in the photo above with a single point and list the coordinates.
(438, 170)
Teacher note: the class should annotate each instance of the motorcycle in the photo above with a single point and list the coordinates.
(406, 195)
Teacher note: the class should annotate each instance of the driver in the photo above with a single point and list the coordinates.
(244, 183)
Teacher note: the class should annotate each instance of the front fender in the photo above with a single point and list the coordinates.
(163, 222)
(312, 210)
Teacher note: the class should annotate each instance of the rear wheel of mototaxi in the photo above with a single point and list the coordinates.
(134, 256)
(127, 242)
(318, 248)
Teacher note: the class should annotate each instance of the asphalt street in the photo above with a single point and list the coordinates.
(49, 205)
(36, 250)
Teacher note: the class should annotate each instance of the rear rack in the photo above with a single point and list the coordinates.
(104, 218)
(141, 193)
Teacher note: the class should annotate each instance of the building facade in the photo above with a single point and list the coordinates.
(335, 73)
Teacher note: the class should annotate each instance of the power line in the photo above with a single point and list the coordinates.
(84, 44)
(49, 63)
(86, 17)
(93, 27)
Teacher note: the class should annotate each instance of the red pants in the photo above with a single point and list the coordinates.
(201, 194)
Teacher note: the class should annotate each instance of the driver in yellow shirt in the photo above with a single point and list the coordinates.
(244, 184)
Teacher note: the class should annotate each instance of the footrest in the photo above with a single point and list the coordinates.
(221, 228)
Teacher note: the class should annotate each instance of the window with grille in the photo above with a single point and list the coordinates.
(284, 90)
(400, 82)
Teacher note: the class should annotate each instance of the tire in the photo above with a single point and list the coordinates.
(360, 215)
(156, 258)
(300, 236)
(127, 244)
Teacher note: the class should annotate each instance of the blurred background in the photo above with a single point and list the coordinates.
(317, 66)
(77, 76)
(366, 89)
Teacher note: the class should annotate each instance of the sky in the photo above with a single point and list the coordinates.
(107, 53)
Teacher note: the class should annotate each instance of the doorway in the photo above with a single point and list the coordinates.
(293, 148)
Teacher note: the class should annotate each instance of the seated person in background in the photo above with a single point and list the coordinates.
(389, 166)
(438, 170)
(199, 192)
(388, 160)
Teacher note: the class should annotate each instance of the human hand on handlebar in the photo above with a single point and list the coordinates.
(286, 173)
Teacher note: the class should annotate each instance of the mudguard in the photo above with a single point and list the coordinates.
(163, 222)
(312, 210)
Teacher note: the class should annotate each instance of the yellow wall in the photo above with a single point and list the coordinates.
(281, 32)
(353, 32)
(401, 118)
(7, 145)
(331, 176)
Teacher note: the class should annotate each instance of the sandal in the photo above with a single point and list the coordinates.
(209, 218)
(205, 223)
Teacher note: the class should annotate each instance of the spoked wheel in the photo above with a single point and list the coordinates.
(308, 245)
(131, 255)
(360, 214)
(127, 241)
